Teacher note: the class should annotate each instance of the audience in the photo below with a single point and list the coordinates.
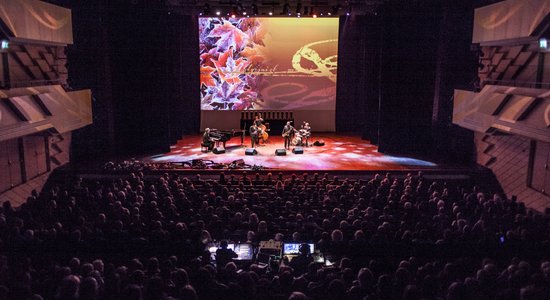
(138, 237)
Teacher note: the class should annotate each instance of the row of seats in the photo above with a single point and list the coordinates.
(132, 236)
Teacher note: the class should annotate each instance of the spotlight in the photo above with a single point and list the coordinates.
(233, 16)
(270, 13)
(314, 16)
(218, 13)
(244, 13)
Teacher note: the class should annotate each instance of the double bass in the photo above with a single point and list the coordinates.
(263, 133)
(262, 128)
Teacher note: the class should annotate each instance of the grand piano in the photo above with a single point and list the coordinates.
(222, 136)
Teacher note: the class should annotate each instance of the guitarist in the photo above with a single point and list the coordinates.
(287, 132)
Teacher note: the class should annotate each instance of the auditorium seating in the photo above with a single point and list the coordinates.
(145, 236)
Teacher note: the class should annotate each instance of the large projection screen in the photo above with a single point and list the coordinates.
(268, 63)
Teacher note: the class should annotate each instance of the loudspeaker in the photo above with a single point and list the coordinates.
(218, 150)
(250, 151)
(298, 150)
(319, 143)
(280, 152)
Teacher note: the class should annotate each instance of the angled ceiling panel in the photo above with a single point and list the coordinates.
(34, 20)
(55, 108)
(524, 111)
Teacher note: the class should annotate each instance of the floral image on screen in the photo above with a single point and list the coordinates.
(257, 63)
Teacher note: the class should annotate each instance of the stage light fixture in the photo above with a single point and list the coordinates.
(299, 8)
(218, 13)
(270, 13)
(336, 8)
(314, 16)
(286, 8)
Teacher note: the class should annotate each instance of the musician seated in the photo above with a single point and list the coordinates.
(207, 140)
(307, 134)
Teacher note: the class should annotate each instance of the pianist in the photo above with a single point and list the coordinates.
(207, 140)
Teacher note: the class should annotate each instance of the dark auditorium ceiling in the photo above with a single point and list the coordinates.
(263, 7)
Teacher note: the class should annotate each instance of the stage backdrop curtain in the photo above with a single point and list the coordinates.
(358, 70)
(141, 63)
(409, 51)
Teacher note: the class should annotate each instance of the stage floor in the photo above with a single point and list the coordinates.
(341, 152)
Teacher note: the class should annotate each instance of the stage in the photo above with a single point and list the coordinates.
(340, 152)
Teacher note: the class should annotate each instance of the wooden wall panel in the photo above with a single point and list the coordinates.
(10, 168)
(35, 156)
(29, 65)
(5, 176)
(540, 166)
(514, 65)
(509, 163)
(30, 154)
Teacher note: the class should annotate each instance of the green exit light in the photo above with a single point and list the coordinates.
(543, 43)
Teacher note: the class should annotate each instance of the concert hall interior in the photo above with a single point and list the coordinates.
(275, 149)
